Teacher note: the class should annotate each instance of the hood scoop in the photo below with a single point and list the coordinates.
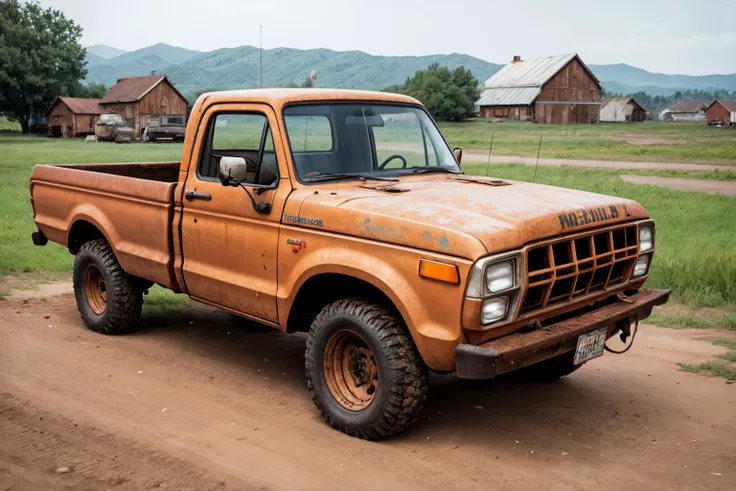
(488, 181)
(387, 188)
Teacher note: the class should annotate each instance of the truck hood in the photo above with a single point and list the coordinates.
(461, 215)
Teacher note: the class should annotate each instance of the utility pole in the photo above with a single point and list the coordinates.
(261, 55)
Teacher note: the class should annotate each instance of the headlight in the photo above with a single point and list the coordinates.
(493, 309)
(493, 274)
(646, 239)
(642, 266)
(500, 276)
(495, 280)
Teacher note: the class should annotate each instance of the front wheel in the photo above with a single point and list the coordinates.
(109, 299)
(363, 370)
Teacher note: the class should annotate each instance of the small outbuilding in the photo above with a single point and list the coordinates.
(70, 117)
(621, 110)
(721, 113)
(146, 101)
(554, 89)
(686, 111)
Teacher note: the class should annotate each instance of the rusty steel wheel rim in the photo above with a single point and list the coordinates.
(95, 289)
(350, 370)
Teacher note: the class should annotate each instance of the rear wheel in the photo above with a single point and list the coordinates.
(109, 300)
(363, 370)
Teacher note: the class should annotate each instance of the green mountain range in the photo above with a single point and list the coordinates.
(229, 68)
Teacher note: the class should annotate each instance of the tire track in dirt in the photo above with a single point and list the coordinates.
(99, 459)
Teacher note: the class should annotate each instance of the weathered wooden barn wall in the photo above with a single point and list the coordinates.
(572, 96)
(716, 112)
(61, 121)
(85, 123)
(162, 99)
(128, 110)
(522, 113)
(637, 113)
(721, 111)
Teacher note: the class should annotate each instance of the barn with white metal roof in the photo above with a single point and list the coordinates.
(553, 89)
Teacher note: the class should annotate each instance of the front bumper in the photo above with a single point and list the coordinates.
(518, 350)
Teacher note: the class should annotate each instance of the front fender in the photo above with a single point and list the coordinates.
(430, 309)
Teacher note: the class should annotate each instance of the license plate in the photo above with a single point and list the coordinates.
(590, 345)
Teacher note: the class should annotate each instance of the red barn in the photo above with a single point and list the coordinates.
(721, 112)
(146, 101)
(69, 117)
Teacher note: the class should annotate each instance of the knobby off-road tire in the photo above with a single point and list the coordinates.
(381, 384)
(552, 369)
(108, 298)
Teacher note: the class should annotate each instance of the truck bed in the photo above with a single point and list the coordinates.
(132, 204)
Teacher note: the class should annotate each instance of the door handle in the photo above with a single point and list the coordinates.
(192, 195)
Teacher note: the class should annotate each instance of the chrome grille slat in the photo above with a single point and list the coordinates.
(560, 270)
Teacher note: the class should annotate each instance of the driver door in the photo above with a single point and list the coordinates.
(229, 249)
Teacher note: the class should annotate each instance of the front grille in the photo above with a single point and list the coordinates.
(561, 270)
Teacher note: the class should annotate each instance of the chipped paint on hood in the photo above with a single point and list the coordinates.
(464, 218)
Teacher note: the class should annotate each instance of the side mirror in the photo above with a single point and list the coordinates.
(458, 153)
(232, 167)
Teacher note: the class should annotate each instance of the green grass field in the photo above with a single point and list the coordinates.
(696, 235)
(648, 141)
(6, 125)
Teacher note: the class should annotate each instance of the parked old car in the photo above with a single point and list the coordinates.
(113, 128)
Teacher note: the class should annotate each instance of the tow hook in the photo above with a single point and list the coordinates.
(622, 296)
(625, 328)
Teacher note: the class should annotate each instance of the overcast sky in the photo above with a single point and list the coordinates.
(669, 36)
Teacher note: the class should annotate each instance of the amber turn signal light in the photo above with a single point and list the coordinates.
(439, 271)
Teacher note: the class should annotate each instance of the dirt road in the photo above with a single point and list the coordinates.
(481, 156)
(198, 401)
(703, 186)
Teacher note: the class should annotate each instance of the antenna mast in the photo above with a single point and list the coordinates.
(539, 149)
(261, 55)
(490, 150)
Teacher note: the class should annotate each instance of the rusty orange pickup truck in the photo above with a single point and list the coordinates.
(346, 215)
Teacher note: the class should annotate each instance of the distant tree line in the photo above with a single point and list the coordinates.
(447, 95)
(657, 103)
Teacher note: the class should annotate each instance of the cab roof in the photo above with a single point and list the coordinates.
(280, 97)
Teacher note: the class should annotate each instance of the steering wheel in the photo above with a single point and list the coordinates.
(385, 162)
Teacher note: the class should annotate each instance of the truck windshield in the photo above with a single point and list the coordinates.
(364, 140)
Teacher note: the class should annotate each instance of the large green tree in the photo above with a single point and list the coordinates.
(40, 58)
(447, 95)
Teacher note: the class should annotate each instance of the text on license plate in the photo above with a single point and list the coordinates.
(590, 345)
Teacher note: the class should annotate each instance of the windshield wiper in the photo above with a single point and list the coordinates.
(329, 176)
(428, 170)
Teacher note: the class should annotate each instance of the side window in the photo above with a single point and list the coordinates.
(240, 132)
(245, 135)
